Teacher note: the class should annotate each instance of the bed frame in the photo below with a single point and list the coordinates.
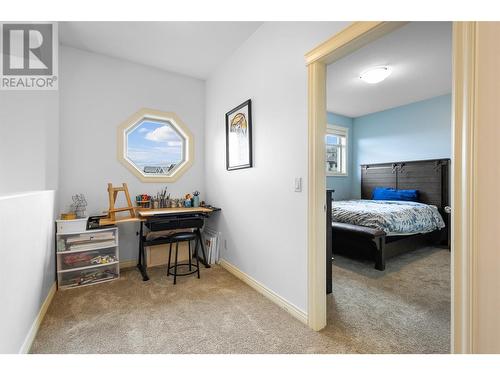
(429, 177)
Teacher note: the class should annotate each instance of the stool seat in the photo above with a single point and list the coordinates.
(183, 236)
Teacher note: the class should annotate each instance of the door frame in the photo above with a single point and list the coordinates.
(463, 229)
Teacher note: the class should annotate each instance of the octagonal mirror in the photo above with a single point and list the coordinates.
(156, 146)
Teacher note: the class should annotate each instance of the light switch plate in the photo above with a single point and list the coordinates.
(298, 184)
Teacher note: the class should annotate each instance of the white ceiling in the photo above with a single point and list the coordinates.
(191, 48)
(420, 56)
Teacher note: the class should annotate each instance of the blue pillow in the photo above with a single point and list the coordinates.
(390, 194)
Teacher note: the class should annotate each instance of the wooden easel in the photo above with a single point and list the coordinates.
(113, 193)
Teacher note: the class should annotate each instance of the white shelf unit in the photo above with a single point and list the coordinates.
(78, 259)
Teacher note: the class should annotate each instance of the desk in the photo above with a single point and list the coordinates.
(171, 218)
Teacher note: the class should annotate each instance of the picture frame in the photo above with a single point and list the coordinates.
(239, 137)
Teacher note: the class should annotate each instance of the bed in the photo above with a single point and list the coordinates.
(393, 217)
(381, 229)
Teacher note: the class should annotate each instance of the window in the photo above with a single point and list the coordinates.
(336, 150)
(155, 146)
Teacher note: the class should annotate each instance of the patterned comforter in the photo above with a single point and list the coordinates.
(393, 217)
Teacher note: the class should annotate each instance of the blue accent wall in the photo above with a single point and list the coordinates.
(416, 131)
(342, 184)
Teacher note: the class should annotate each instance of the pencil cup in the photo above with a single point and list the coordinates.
(196, 201)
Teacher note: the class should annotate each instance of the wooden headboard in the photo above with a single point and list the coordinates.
(430, 177)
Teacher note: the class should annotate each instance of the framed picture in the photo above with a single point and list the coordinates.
(239, 137)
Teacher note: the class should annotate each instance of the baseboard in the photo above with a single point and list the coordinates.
(266, 292)
(30, 337)
(128, 263)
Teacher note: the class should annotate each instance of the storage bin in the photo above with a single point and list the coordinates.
(82, 259)
(69, 226)
(88, 276)
(86, 257)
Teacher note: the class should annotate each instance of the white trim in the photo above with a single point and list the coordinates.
(30, 337)
(24, 194)
(464, 198)
(316, 197)
(265, 291)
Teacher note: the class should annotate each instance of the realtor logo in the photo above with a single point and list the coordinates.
(29, 56)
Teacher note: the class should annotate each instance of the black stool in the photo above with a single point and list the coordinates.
(183, 237)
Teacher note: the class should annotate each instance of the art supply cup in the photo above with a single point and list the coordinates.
(196, 201)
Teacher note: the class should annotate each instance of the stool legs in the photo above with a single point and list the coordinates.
(191, 253)
(197, 260)
(175, 269)
(169, 257)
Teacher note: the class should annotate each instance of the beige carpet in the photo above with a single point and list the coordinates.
(406, 309)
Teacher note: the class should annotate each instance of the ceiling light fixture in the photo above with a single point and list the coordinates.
(376, 74)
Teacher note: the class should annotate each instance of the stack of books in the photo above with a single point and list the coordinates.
(211, 239)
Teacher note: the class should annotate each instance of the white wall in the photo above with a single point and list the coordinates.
(28, 141)
(97, 94)
(27, 253)
(29, 148)
(263, 220)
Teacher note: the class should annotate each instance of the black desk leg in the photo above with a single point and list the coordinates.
(200, 240)
(141, 265)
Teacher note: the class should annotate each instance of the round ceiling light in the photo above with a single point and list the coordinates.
(376, 74)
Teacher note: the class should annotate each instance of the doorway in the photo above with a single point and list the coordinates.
(349, 40)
